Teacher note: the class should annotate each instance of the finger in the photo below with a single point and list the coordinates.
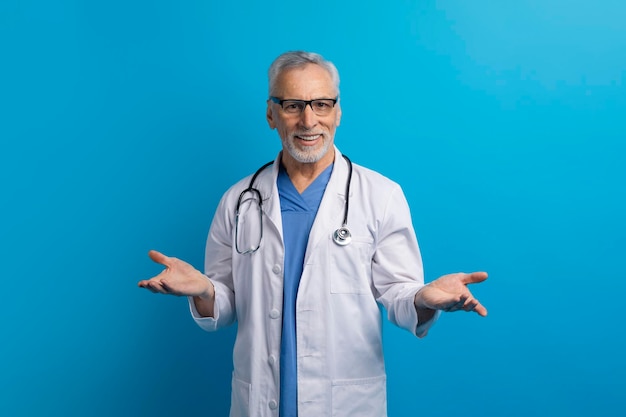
(455, 306)
(159, 258)
(152, 290)
(147, 285)
(481, 310)
(473, 304)
(458, 306)
(156, 287)
(470, 304)
(474, 277)
(168, 289)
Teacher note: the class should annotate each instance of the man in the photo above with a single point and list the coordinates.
(300, 254)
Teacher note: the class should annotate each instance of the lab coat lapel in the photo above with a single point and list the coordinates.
(269, 192)
(330, 213)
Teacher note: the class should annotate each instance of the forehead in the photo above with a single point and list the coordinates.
(307, 82)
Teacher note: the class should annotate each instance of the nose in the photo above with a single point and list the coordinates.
(308, 118)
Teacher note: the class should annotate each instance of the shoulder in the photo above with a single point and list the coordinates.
(373, 189)
(373, 179)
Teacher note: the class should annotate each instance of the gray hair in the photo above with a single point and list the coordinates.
(298, 59)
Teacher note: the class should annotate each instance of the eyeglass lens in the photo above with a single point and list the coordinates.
(320, 107)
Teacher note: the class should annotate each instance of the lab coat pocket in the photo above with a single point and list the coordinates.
(359, 397)
(351, 266)
(240, 398)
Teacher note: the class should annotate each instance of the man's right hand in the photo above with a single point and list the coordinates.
(181, 279)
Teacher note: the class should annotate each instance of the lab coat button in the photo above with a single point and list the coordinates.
(276, 269)
(272, 359)
(274, 313)
(273, 404)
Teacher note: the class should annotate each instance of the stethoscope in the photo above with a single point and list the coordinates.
(341, 236)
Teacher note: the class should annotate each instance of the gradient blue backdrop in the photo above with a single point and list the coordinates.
(121, 124)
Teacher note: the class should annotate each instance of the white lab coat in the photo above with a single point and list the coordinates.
(338, 321)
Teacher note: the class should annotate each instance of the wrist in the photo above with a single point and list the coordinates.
(419, 302)
(209, 292)
(205, 302)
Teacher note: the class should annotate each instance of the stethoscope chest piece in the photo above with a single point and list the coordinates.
(342, 236)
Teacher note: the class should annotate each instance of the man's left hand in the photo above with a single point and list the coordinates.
(450, 293)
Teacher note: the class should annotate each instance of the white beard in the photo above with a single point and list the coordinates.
(304, 156)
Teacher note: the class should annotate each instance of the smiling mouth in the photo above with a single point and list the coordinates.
(308, 138)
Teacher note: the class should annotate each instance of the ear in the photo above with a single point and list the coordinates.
(269, 115)
(338, 115)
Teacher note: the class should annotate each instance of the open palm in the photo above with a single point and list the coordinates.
(450, 293)
(178, 278)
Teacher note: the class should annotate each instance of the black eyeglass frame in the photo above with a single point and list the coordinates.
(305, 102)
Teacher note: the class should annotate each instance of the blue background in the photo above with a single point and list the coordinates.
(121, 124)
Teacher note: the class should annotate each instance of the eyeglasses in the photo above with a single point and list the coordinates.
(320, 106)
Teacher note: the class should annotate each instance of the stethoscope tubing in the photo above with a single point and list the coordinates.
(341, 236)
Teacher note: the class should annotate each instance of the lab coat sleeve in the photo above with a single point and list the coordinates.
(397, 270)
(218, 269)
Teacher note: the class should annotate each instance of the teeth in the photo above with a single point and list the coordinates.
(309, 137)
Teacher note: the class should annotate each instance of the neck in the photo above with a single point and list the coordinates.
(303, 174)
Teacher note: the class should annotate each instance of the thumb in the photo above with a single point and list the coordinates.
(474, 277)
(159, 258)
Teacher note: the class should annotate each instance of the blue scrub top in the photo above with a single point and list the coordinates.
(298, 212)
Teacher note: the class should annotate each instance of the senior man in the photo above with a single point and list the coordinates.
(300, 254)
